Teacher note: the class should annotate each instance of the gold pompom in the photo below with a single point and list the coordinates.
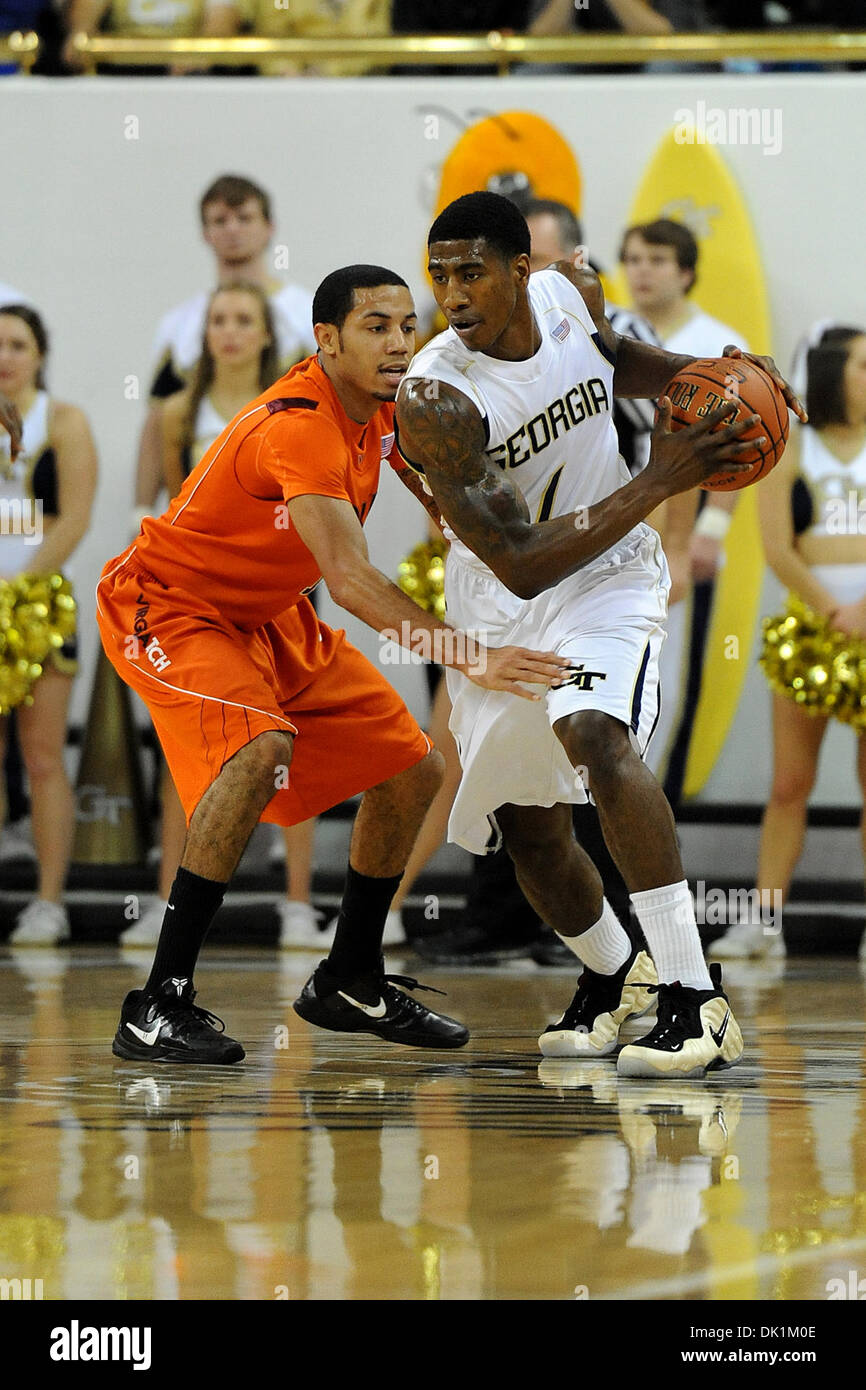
(421, 576)
(37, 614)
(823, 670)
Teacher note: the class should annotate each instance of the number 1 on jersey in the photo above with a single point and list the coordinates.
(549, 493)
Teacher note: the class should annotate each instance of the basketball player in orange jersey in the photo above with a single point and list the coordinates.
(508, 414)
(262, 711)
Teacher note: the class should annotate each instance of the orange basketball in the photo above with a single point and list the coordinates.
(711, 382)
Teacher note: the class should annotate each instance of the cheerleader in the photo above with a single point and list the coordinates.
(50, 484)
(813, 524)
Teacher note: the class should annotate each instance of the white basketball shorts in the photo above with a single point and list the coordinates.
(608, 618)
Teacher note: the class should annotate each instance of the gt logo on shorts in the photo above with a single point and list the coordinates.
(583, 679)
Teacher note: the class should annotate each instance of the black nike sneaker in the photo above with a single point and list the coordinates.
(591, 1023)
(164, 1025)
(371, 1004)
(696, 1032)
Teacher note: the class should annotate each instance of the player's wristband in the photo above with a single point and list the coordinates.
(713, 522)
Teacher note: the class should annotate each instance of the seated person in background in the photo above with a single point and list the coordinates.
(320, 19)
(238, 361)
(54, 474)
(149, 19)
(475, 17)
(629, 16)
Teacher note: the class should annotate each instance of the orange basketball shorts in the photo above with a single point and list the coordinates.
(211, 688)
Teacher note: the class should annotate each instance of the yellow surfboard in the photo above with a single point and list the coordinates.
(692, 184)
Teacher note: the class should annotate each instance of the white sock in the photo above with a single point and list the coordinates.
(605, 946)
(667, 916)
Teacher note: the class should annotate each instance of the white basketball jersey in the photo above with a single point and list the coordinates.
(548, 418)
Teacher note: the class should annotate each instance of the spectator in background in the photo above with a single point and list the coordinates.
(238, 359)
(320, 19)
(451, 17)
(554, 17)
(237, 225)
(809, 507)
(55, 470)
(660, 260)
(160, 19)
(550, 18)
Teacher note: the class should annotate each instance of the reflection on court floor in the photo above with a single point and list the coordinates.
(328, 1167)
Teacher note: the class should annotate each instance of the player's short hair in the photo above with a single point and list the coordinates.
(233, 190)
(488, 216)
(334, 300)
(665, 232)
(568, 225)
(37, 328)
(825, 370)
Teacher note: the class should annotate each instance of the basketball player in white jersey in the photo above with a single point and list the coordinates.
(520, 387)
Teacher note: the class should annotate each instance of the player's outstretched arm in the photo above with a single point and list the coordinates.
(442, 432)
(331, 531)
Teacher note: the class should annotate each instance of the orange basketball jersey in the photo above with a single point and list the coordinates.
(227, 536)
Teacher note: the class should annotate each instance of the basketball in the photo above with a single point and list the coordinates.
(711, 382)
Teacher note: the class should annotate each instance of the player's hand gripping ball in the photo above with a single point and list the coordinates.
(711, 382)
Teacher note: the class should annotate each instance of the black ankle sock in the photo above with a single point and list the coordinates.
(193, 904)
(361, 923)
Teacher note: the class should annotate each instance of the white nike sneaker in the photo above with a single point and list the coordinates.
(695, 1032)
(744, 941)
(591, 1024)
(145, 932)
(303, 926)
(41, 923)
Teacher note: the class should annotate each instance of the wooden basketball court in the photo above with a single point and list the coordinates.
(333, 1167)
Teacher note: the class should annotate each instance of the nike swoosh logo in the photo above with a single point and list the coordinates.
(717, 1037)
(149, 1038)
(374, 1010)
